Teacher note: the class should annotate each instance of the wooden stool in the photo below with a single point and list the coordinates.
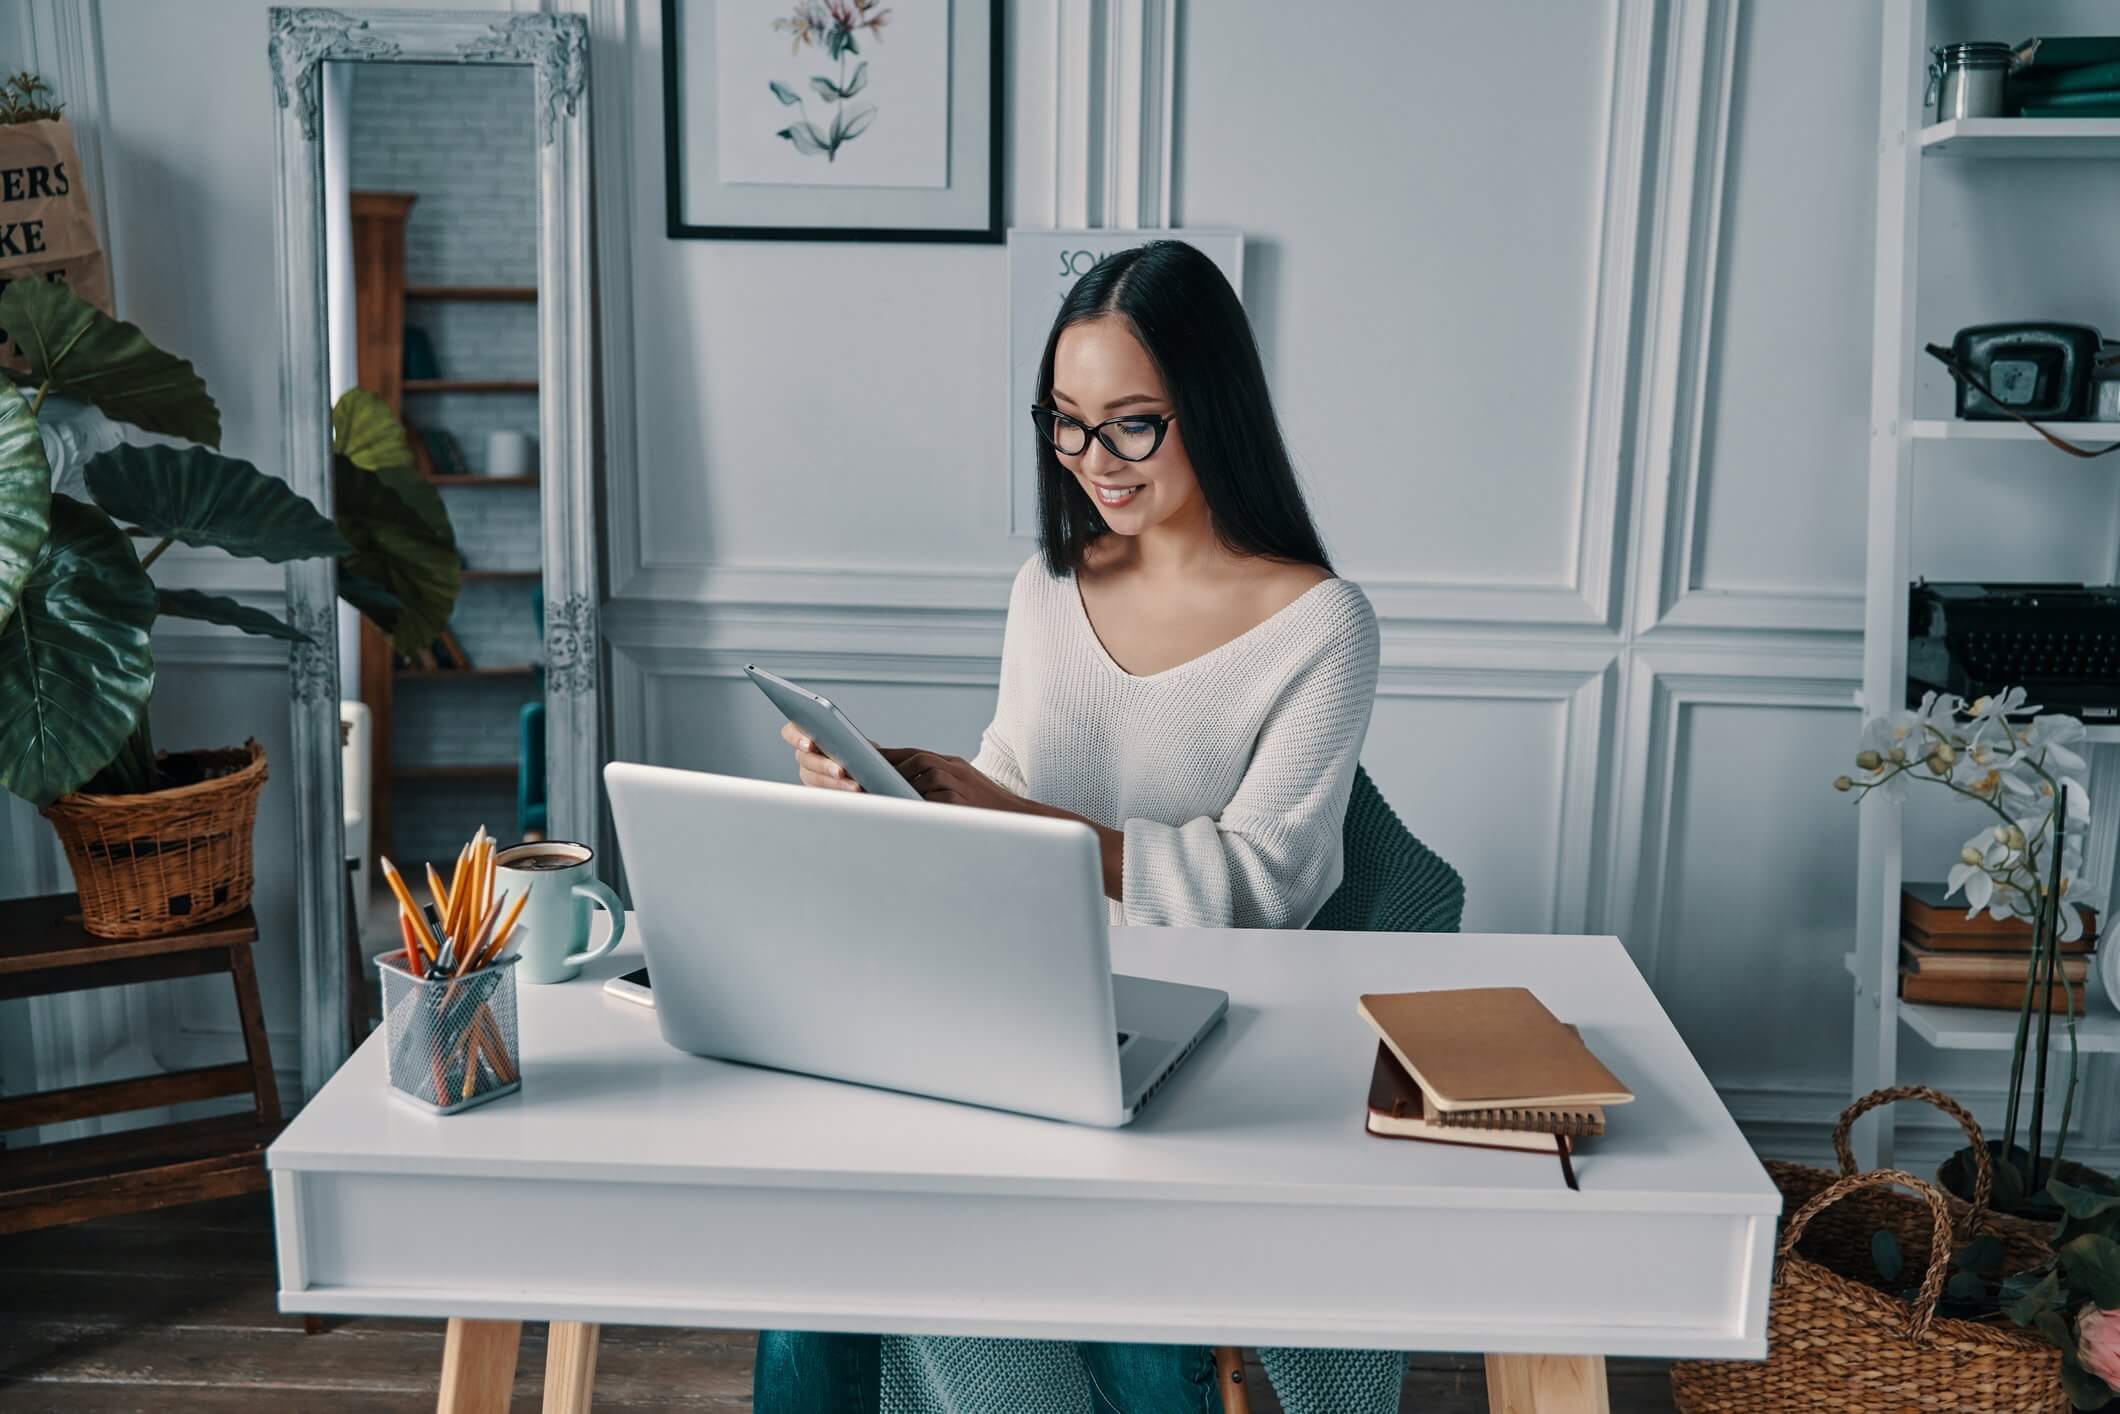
(44, 950)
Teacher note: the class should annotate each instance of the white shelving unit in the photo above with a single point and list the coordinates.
(1905, 145)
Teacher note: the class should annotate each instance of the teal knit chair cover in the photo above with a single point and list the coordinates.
(1389, 883)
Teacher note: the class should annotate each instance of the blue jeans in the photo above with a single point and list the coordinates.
(808, 1373)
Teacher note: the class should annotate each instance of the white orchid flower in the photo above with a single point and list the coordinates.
(2048, 740)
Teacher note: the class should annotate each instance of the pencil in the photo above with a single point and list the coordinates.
(442, 897)
(404, 898)
(456, 887)
(507, 926)
(412, 946)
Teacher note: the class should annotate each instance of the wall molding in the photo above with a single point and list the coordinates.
(1684, 253)
(1663, 685)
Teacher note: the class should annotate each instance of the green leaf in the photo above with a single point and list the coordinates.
(2027, 1301)
(808, 141)
(2084, 1389)
(1982, 1254)
(1885, 1254)
(2009, 1191)
(25, 496)
(86, 354)
(1965, 1286)
(219, 609)
(860, 80)
(2082, 1202)
(367, 433)
(76, 664)
(2092, 1264)
(200, 497)
(826, 89)
(782, 92)
(839, 41)
(858, 122)
(388, 515)
(370, 599)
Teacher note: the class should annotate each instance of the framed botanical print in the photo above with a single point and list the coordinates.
(832, 120)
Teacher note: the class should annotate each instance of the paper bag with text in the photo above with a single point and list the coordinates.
(47, 231)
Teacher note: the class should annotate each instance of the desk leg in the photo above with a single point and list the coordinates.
(1547, 1384)
(570, 1366)
(478, 1366)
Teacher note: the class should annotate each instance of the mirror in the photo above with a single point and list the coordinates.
(433, 242)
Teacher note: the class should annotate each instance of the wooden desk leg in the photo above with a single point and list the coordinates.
(1547, 1384)
(478, 1366)
(570, 1366)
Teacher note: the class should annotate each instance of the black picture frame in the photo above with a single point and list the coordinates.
(677, 228)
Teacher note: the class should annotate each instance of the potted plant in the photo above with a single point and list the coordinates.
(2021, 767)
(160, 841)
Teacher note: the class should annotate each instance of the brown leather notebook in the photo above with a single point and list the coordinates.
(1396, 1111)
(1940, 922)
(1484, 1048)
(1937, 963)
(1959, 991)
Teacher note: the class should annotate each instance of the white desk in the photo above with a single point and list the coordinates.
(630, 1183)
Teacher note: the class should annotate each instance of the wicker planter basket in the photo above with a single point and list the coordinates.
(165, 860)
(1835, 1342)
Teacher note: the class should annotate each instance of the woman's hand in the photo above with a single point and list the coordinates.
(813, 766)
(952, 780)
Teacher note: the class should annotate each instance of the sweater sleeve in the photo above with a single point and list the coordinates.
(998, 759)
(1273, 856)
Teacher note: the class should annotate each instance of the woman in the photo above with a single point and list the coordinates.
(1182, 672)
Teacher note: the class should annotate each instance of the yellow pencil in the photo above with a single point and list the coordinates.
(456, 884)
(507, 926)
(412, 910)
(442, 898)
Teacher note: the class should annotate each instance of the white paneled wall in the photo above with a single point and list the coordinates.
(1566, 309)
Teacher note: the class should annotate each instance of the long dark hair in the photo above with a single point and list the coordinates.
(1189, 320)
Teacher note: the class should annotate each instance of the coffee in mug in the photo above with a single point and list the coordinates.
(561, 888)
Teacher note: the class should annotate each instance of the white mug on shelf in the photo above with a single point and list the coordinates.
(510, 453)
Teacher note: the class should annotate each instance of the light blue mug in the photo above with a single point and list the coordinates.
(555, 922)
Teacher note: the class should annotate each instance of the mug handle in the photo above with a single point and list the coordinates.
(599, 893)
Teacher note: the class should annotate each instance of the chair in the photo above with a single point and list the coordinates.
(530, 812)
(1390, 883)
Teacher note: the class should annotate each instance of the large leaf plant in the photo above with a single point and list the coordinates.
(77, 605)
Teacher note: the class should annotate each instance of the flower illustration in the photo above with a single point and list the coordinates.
(832, 25)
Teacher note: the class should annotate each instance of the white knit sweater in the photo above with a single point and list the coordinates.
(1228, 774)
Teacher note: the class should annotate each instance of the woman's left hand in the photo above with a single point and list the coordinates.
(950, 780)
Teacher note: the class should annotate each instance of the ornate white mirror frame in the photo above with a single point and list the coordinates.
(556, 47)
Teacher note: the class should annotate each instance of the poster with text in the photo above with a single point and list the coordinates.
(849, 93)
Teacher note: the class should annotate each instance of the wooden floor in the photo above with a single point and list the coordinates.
(172, 1313)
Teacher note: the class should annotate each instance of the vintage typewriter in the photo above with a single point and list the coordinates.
(2059, 642)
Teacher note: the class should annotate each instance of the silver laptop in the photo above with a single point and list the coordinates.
(937, 949)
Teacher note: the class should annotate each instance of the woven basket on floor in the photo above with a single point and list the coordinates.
(165, 860)
(1839, 1345)
(1841, 1239)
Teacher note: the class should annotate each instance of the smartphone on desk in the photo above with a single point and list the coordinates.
(633, 987)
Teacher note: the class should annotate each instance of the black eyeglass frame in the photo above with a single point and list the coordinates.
(1162, 422)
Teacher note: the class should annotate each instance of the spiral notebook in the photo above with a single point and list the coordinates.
(1484, 1053)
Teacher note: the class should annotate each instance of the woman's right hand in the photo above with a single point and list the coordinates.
(813, 766)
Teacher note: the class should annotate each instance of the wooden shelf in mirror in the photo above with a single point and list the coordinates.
(470, 385)
(477, 480)
(494, 771)
(482, 294)
(505, 670)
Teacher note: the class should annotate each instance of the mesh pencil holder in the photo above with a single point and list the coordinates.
(451, 1041)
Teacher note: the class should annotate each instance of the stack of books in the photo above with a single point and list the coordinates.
(1486, 1066)
(1948, 959)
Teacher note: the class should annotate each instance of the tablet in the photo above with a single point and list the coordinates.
(834, 735)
